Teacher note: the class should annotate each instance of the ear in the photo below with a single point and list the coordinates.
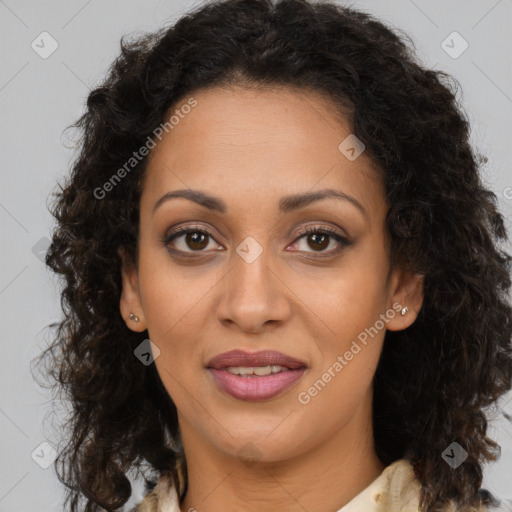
(130, 302)
(406, 292)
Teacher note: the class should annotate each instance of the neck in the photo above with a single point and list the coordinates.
(323, 479)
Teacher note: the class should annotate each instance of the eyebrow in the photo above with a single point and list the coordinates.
(286, 204)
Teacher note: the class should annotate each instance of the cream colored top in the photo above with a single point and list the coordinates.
(396, 489)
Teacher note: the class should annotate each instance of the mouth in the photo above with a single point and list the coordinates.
(255, 376)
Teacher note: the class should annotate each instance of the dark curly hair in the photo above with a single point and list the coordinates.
(434, 381)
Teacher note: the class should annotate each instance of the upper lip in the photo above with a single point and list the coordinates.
(254, 359)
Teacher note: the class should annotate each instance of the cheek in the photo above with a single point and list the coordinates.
(349, 307)
(348, 299)
(348, 351)
(176, 309)
(172, 297)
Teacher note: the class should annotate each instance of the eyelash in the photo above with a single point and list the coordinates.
(316, 230)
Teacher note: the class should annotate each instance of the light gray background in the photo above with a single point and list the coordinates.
(40, 97)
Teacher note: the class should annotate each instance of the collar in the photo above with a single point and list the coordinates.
(396, 488)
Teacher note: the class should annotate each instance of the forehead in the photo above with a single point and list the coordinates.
(258, 144)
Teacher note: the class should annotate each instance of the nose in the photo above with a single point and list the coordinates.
(253, 296)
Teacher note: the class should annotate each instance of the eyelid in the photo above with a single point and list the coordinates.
(171, 233)
(313, 228)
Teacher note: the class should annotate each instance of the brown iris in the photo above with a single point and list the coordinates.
(320, 241)
(195, 240)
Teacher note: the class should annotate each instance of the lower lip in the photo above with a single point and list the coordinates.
(255, 388)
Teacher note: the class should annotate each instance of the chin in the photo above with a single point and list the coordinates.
(255, 447)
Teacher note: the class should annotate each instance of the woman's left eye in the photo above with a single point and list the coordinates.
(320, 239)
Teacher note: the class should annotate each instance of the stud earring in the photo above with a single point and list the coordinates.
(134, 318)
(404, 310)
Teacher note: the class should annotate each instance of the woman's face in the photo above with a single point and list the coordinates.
(247, 278)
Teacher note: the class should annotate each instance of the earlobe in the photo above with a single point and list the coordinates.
(130, 304)
(407, 300)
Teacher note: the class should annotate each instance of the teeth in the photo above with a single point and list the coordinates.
(258, 370)
(262, 370)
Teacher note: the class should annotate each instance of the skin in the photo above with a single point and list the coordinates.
(250, 148)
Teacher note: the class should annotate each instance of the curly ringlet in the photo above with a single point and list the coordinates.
(434, 380)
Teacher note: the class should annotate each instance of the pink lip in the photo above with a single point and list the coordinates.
(253, 388)
(261, 358)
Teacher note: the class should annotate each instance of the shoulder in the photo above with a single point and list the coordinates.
(405, 490)
(164, 490)
(397, 488)
(164, 496)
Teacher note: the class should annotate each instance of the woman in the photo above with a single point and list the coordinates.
(284, 288)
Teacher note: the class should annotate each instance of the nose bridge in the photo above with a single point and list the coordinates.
(252, 295)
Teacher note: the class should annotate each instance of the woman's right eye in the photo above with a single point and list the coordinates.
(190, 240)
